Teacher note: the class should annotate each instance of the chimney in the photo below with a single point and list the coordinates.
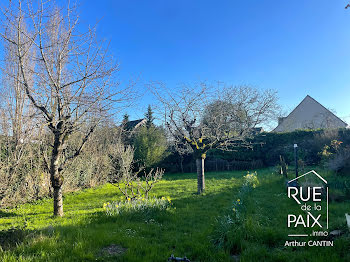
(280, 120)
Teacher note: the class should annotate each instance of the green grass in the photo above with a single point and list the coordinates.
(185, 229)
(263, 233)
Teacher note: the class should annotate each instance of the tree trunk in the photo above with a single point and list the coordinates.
(55, 177)
(181, 165)
(57, 202)
(200, 175)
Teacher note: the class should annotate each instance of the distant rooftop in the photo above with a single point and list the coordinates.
(131, 125)
(309, 114)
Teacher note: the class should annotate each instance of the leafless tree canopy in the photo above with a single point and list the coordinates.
(68, 76)
(238, 110)
(65, 74)
(203, 117)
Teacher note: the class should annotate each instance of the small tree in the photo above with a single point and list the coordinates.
(149, 117)
(150, 145)
(131, 181)
(203, 118)
(125, 119)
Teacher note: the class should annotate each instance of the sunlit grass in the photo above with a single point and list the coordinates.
(185, 228)
(263, 232)
(181, 230)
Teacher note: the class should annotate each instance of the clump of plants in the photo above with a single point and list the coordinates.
(336, 156)
(132, 180)
(136, 205)
(250, 181)
(236, 216)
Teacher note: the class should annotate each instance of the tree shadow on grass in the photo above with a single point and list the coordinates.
(208, 175)
(13, 236)
(4, 213)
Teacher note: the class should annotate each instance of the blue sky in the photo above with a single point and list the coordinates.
(296, 47)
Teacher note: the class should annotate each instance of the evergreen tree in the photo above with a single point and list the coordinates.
(149, 117)
(150, 145)
(125, 133)
(125, 118)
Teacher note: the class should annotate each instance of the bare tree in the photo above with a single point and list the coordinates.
(132, 182)
(204, 117)
(18, 127)
(71, 81)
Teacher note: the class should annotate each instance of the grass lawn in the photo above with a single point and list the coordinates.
(185, 229)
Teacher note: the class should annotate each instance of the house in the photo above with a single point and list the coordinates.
(257, 130)
(309, 114)
(135, 124)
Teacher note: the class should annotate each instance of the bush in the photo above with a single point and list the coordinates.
(336, 156)
(267, 147)
(150, 145)
(265, 150)
(340, 162)
(24, 176)
(132, 182)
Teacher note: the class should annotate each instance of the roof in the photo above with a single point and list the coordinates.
(309, 114)
(257, 130)
(131, 125)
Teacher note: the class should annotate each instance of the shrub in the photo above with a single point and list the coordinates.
(24, 173)
(336, 156)
(130, 182)
(250, 181)
(150, 145)
(340, 162)
(266, 149)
